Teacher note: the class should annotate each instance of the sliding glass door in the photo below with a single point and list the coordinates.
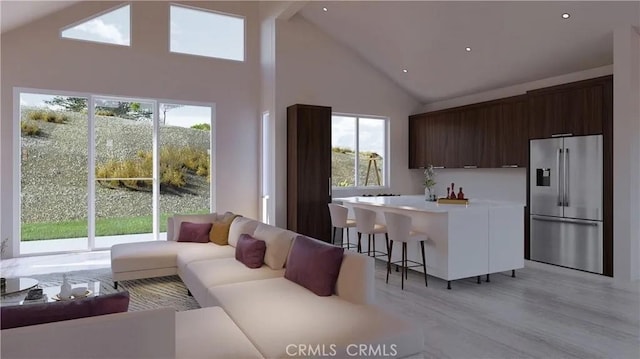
(53, 161)
(124, 170)
(185, 148)
(97, 171)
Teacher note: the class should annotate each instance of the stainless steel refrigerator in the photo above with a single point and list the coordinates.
(566, 201)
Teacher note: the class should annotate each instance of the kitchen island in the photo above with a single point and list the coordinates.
(464, 241)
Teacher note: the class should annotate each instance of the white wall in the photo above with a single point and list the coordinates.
(35, 56)
(312, 68)
(626, 152)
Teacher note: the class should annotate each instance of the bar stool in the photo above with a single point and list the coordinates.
(366, 223)
(339, 220)
(399, 229)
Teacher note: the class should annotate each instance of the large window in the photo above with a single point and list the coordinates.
(206, 33)
(112, 27)
(97, 171)
(359, 151)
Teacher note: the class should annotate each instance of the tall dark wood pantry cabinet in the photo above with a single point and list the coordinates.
(309, 170)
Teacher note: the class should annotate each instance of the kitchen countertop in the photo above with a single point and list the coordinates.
(418, 203)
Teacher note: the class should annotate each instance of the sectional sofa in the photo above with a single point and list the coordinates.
(258, 313)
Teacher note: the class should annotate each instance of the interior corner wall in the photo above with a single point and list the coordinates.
(626, 151)
(35, 56)
(313, 68)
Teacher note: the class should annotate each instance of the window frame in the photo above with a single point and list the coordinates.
(16, 199)
(95, 16)
(189, 7)
(385, 167)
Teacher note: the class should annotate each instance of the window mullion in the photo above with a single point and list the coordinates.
(357, 153)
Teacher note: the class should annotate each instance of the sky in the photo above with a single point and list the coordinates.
(113, 27)
(192, 31)
(372, 134)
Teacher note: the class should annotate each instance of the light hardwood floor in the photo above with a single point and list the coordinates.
(545, 312)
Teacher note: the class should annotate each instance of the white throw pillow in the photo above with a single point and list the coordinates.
(241, 225)
(278, 243)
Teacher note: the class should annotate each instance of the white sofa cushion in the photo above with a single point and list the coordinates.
(273, 323)
(209, 333)
(143, 334)
(199, 276)
(357, 281)
(146, 255)
(190, 254)
(241, 225)
(278, 243)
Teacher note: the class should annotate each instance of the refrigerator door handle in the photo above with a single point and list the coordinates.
(564, 220)
(566, 177)
(559, 195)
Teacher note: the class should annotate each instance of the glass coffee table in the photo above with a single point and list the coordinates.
(49, 294)
(18, 284)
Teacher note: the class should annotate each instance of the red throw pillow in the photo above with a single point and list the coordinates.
(314, 265)
(250, 251)
(194, 232)
(31, 314)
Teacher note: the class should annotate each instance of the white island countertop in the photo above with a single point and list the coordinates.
(464, 241)
(418, 203)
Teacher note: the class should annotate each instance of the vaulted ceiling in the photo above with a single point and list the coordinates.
(511, 42)
(15, 13)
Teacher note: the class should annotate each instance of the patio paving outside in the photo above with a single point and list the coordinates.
(81, 244)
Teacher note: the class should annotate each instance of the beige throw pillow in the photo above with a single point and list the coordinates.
(278, 242)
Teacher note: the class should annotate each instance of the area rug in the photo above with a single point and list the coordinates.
(144, 294)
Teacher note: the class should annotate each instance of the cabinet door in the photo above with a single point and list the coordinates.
(309, 170)
(586, 110)
(417, 141)
(441, 144)
(548, 114)
(512, 135)
(467, 137)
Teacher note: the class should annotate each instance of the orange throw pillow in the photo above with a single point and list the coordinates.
(219, 233)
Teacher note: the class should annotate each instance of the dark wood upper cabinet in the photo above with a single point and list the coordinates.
(309, 170)
(417, 149)
(577, 108)
(512, 135)
(496, 133)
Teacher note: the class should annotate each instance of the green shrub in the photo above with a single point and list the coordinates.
(175, 162)
(28, 129)
(342, 150)
(56, 117)
(37, 115)
(47, 116)
(202, 126)
(105, 113)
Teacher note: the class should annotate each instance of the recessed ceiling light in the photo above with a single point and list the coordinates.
(405, 70)
(467, 49)
(566, 15)
(325, 9)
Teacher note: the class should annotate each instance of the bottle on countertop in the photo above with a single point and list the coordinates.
(453, 192)
(460, 194)
(65, 289)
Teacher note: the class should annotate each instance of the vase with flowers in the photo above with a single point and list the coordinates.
(429, 183)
